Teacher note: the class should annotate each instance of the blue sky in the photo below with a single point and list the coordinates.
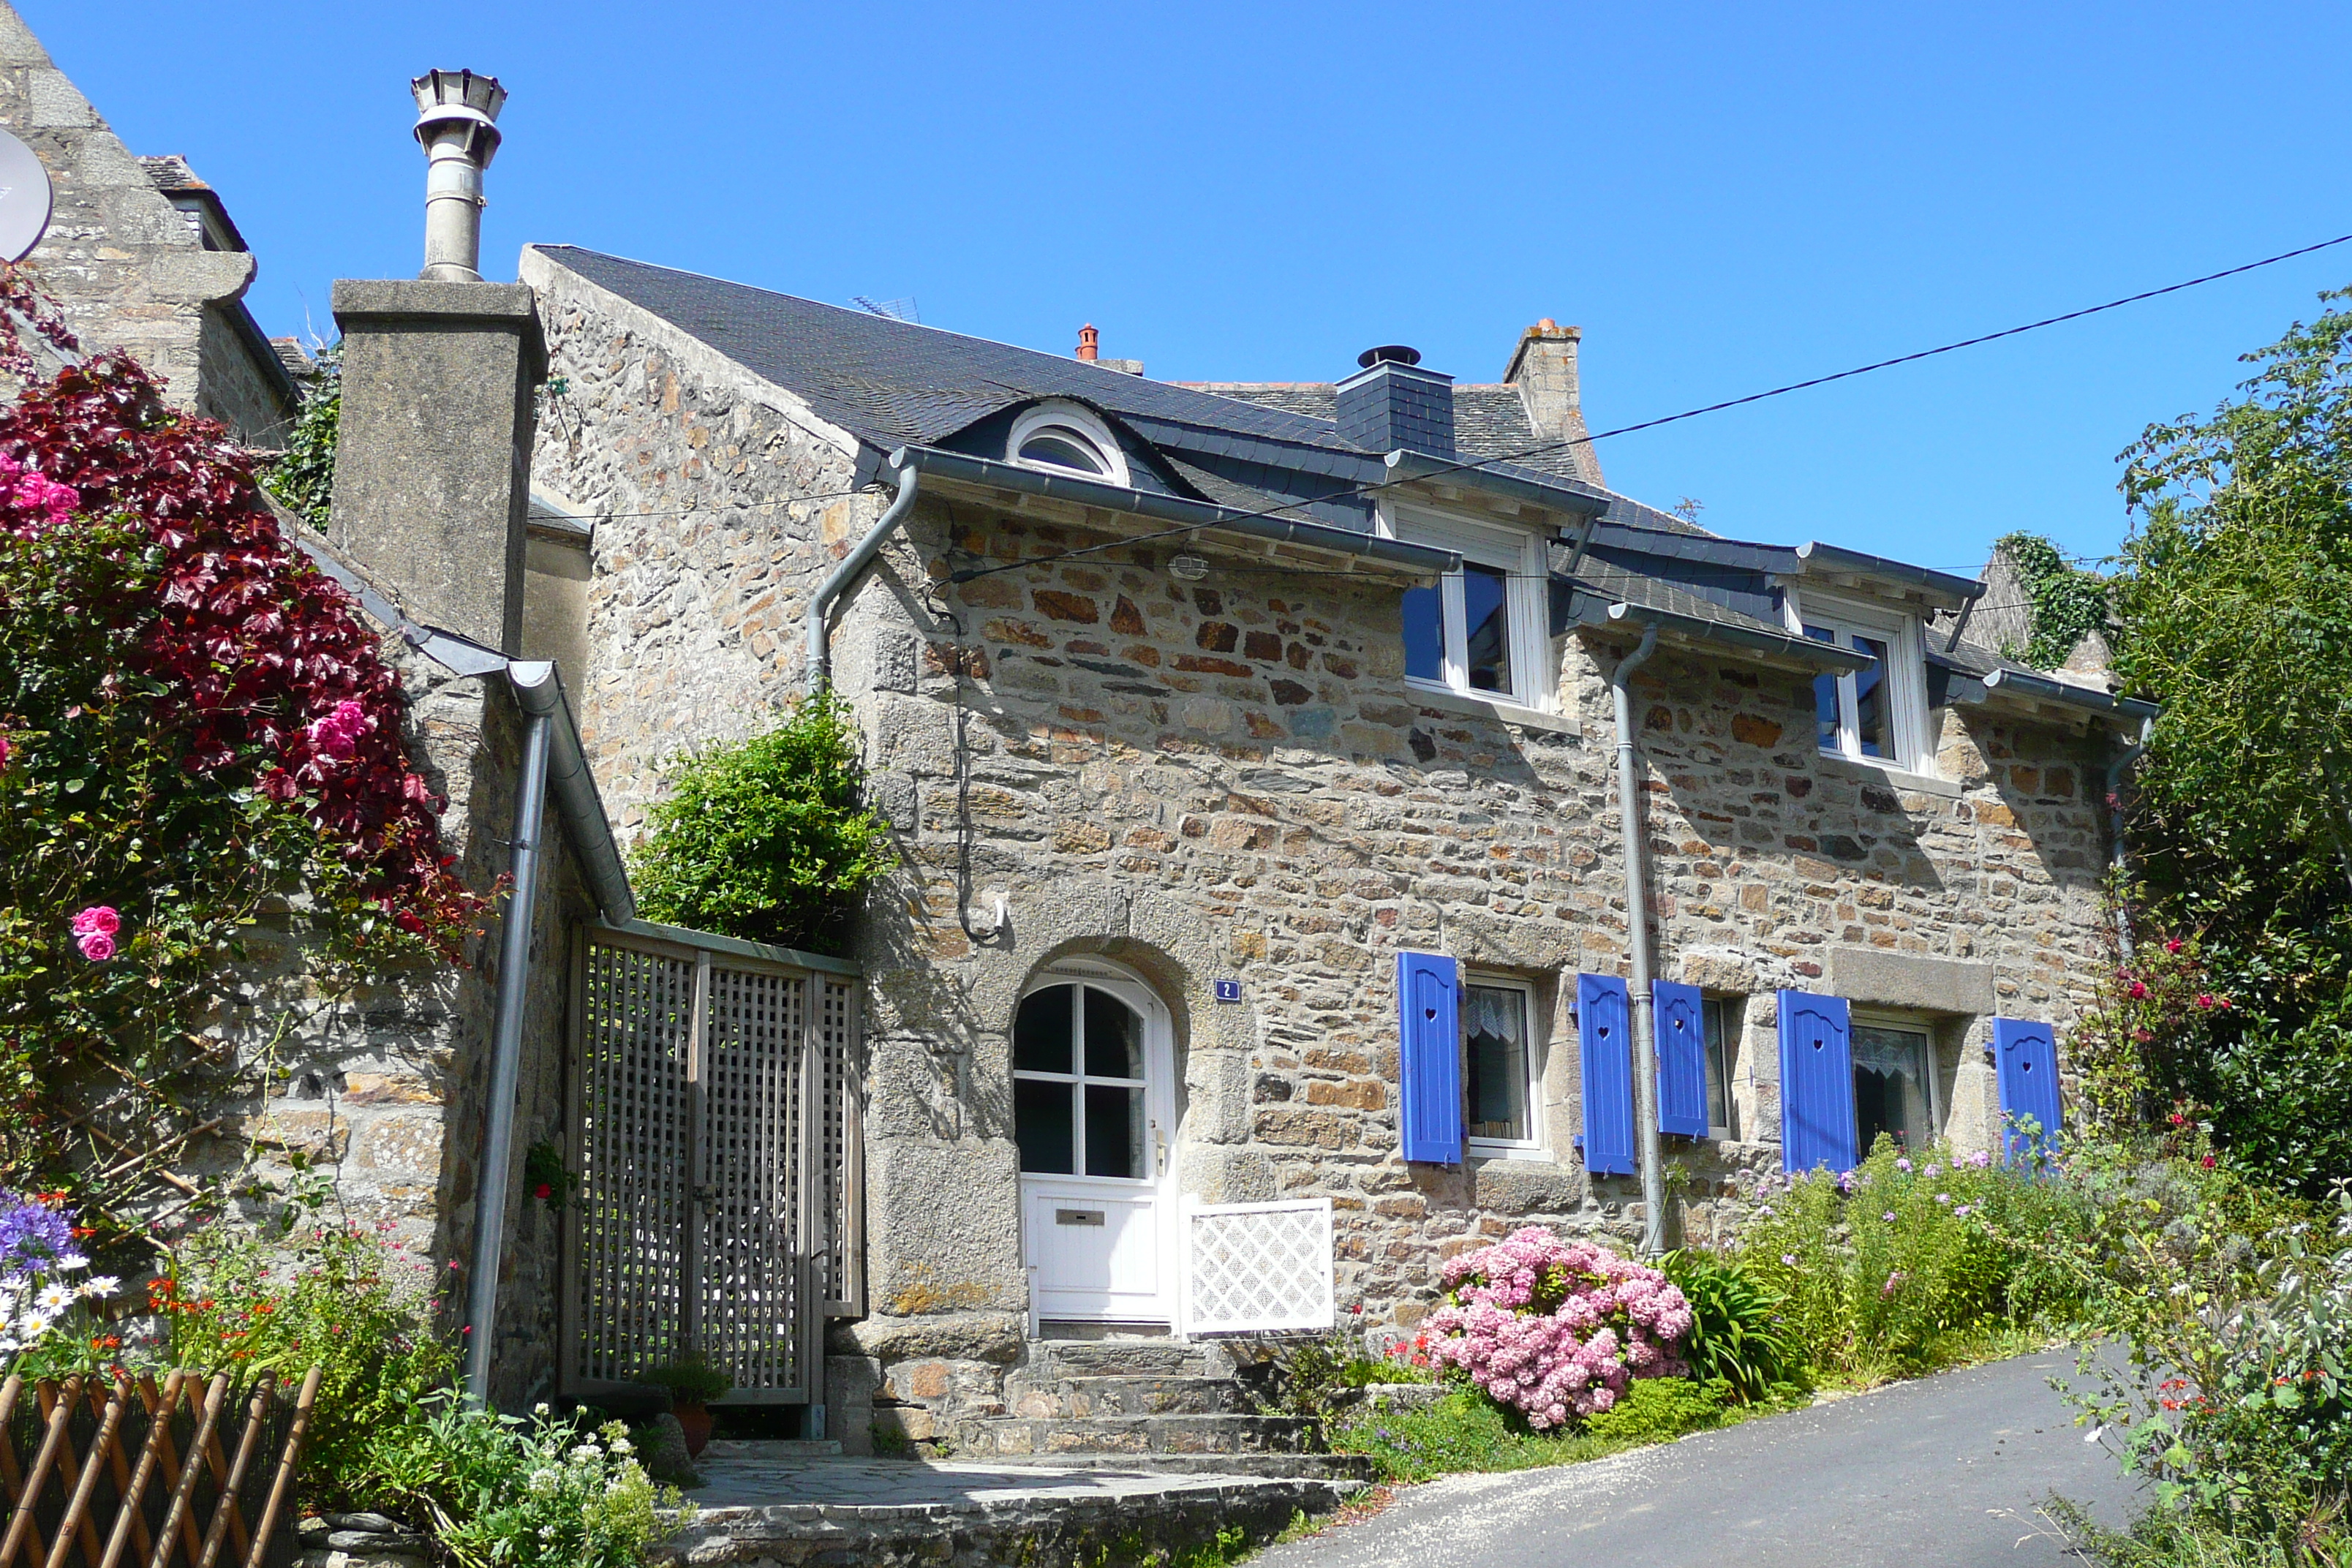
(1724, 197)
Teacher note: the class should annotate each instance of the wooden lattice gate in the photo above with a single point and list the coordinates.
(716, 1103)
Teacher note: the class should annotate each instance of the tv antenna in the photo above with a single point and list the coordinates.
(891, 310)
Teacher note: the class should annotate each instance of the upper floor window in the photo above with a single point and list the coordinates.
(1483, 630)
(1065, 436)
(1878, 714)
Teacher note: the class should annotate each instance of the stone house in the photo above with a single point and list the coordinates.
(1262, 933)
(143, 256)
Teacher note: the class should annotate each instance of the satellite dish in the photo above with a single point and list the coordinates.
(24, 199)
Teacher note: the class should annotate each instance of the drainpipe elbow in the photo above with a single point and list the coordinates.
(861, 555)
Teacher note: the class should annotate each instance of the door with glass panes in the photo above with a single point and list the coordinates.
(1092, 1113)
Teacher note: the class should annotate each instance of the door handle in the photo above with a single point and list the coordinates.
(1158, 1148)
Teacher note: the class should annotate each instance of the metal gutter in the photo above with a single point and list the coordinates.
(1406, 465)
(1625, 613)
(2044, 687)
(958, 467)
(1817, 556)
(1637, 930)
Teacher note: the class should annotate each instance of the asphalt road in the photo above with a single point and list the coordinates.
(1946, 1471)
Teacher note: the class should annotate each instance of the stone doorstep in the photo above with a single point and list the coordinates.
(1323, 1466)
(1126, 1358)
(759, 1449)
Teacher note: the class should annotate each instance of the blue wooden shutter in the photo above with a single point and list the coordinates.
(2026, 1060)
(1429, 1046)
(1682, 1058)
(1604, 1027)
(1816, 1082)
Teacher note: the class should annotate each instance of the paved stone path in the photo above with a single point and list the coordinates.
(1946, 1470)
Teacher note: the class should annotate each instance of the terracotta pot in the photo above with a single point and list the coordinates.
(696, 1418)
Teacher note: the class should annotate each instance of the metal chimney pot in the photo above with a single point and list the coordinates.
(457, 124)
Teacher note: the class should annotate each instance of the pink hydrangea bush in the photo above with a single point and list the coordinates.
(1557, 1329)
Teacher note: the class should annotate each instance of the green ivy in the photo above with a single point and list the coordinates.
(769, 838)
(2068, 605)
(304, 478)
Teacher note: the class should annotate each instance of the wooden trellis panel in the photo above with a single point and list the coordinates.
(198, 1473)
(717, 1106)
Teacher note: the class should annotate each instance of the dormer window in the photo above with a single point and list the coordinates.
(1064, 436)
(1879, 713)
(1482, 630)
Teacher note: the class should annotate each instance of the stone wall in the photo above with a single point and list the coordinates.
(233, 384)
(124, 264)
(1229, 779)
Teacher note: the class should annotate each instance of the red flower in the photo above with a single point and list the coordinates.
(546, 1191)
(2138, 989)
(2206, 1162)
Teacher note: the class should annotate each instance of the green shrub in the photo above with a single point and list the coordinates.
(1905, 1264)
(1658, 1409)
(767, 840)
(502, 1491)
(2163, 1537)
(338, 1296)
(691, 1379)
(1737, 1335)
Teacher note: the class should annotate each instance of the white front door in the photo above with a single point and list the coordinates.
(1092, 1111)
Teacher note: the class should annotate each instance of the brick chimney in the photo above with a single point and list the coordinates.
(1089, 342)
(1391, 403)
(1543, 368)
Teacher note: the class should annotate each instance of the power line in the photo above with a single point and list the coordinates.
(1472, 464)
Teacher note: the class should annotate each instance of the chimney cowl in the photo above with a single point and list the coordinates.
(1389, 353)
(457, 124)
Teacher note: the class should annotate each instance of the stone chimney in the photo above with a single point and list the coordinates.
(1543, 368)
(433, 463)
(1393, 403)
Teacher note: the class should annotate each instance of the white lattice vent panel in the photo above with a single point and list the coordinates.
(1257, 1267)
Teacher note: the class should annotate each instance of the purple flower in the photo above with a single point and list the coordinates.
(1888, 1216)
(1903, 1166)
(1790, 1259)
(32, 1236)
(1942, 1198)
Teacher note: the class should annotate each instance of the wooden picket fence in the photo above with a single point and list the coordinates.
(130, 1476)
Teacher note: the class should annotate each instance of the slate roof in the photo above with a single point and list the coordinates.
(1245, 446)
(892, 381)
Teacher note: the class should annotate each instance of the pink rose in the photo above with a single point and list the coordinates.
(101, 917)
(96, 946)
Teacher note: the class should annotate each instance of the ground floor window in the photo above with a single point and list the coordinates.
(1722, 1053)
(1894, 1084)
(1498, 1067)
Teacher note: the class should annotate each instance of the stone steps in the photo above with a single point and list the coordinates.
(1082, 1397)
(1126, 1358)
(1295, 1466)
(1005, 1437)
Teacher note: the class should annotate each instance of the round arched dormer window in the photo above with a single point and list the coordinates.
(1064, 436)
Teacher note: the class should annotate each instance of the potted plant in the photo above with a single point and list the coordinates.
(693, 1383)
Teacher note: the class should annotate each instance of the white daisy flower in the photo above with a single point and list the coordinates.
(69, 1261)
(100, 1285)
(54, 1297)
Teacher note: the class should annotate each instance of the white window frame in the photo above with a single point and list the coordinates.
(1908, 1023)
(1531, 1147)
(1071, 419)
(1527, 601)
(1732, 1011)
(1912, 750)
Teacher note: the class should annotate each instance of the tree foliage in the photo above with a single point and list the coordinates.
(768, 838)
(2235, 603)
(2066, 603)
(304, 477)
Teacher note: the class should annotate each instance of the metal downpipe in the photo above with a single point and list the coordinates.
(820, 644)
(540, 696)
(1637, 926)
